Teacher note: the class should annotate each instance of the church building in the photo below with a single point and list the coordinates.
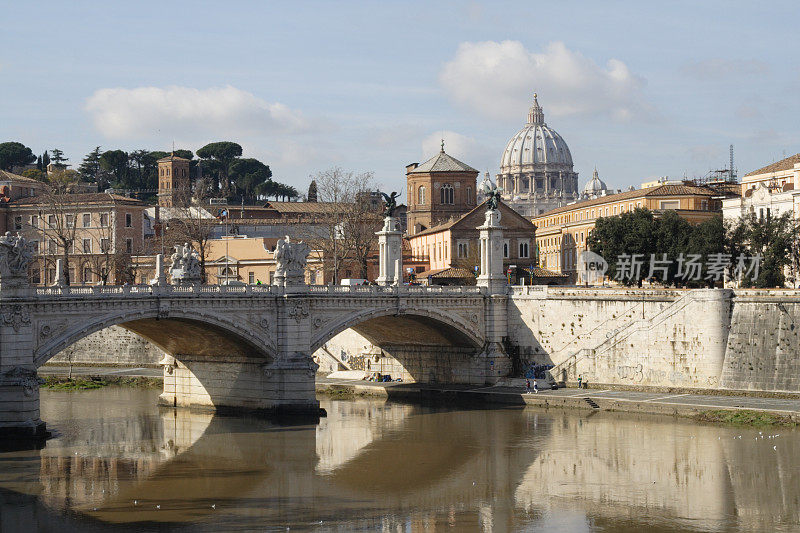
(173, 181)
(440, 189)
(536, 171)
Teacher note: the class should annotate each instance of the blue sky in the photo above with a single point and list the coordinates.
(639, 89)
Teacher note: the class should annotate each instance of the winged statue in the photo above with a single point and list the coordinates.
(389, 203)
(492, 193)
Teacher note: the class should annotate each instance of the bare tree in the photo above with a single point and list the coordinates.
(471, 260)
(344, 226)
(59, 218)
(112, 262)
(362, 222)
(190, 222)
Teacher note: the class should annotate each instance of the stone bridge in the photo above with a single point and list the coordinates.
(250, 346)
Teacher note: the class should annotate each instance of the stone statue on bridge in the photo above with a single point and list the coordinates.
(492, 192)
(389, 203)
(15, 257)
(185, 268)
(290, 258)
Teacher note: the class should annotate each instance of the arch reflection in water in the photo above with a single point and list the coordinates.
(378, 465)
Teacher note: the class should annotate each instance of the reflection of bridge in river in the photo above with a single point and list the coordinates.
(491, 469)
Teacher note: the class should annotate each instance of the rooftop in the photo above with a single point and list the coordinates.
(5, 175)
(84, 198)
(172, 157)
(292, 208)
(504, 209)
(442, 162)
(784, 164)
(661, 190)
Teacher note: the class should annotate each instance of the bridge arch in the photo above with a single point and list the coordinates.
(181, 332)
(444, 328)
(417, 344)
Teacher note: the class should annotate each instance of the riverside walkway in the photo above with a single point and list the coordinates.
(684, 404)
(604, 399)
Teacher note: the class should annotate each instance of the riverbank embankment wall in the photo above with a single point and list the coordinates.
(701, 338)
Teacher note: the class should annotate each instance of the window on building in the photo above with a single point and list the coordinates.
(70, 220)
(524, 252)
(87, 246)
(35, 246)
(251, 277)
(105, 245)
(52, 247)
(128, 220)
(51, 220)
(128, 246)
(463, 249)
(34, 221)
(36, 275)
(704, 205)
(421, 195)
(18, 222)
(87, 275)
(469, 195)
(86, 220)
(505, 249)
(670, 204)
(103, 220)
(447, 194)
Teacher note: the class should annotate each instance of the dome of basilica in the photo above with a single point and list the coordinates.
(536, 171)
(535, 144)
(595, 187)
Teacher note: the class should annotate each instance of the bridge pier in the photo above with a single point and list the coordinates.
(19, 384)
(239, 383)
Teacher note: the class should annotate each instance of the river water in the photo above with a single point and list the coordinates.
(119, 462)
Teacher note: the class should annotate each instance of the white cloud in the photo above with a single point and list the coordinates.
(173, 110)
(497, 79)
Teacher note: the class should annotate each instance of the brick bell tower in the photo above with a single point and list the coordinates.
(173, 181)
(440, 189)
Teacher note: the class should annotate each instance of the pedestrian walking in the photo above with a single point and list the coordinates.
(580, 378)
(535, 387)
(527, 386)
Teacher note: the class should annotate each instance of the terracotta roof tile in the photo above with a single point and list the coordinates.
(660, 190)
(783, 164)
(288, 208)
(451, 272)
(85, 198)
(16, 177)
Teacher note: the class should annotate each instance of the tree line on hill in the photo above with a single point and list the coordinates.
(219, 165)
(671, 240)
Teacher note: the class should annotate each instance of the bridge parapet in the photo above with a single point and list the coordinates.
(134, 291)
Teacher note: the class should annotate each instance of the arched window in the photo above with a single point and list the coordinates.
(447, 194)
(421, 195)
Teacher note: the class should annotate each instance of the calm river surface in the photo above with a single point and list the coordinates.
(119, 462)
